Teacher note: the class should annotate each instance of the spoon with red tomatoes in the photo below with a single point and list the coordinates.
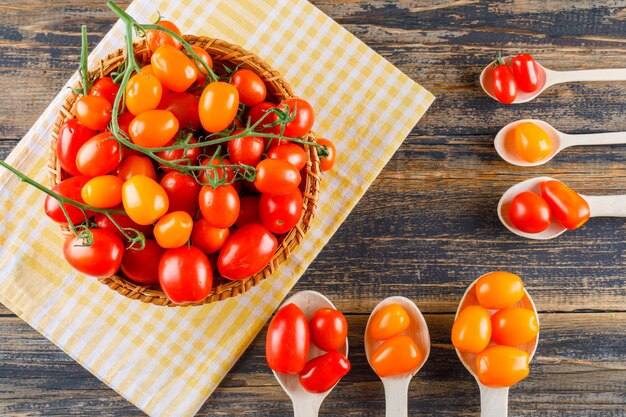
(519, 79)
(543, 208)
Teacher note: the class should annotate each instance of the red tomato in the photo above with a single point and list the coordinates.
(123, 121)
(327, 162)
(173, 230)
(104, 223)
(499, 289)
(184, 107)
(322, 373)
(281, 213)
(156, 38)
(190, 154)
(142, 266)
(99, 155)
(246, 150)
(173, 68)
(288, 341)
(220, 173)
(218, 106)
(136, 165)
(252, 90)
(259, 111)
(471, 330)
(290, 152)
(304, 117)
(93, 112)
(105, 88)
(104, 191)
(514, 326)
(219, 206)
(72, 135)
(329, 329)
(153, 128)
(207, 238)
(100, 260)
(246, 252)
(69, 188)
(248, 210)
(504, 87)
(529, 212)
(569, 208)
(396, 356)
(526, 72)
(183, 191)
(185, 275)
(276, 177)
(143, 93)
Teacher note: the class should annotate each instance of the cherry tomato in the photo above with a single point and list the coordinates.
(281, 213)
(327, 162)
(142, 266)
(569, 208)
(202, 72)
(288, 341)
(185, 275)
(105, 88)
(532, 143)
(322, 373)
(190, 154)
(183, 191)
(153, 128)
(218, 106)
(103, 222)
(252, 90)
(104, 191)
(184, 107)
(499, 289)
(514, 326)
(123, 121)
(329, 329)
(471, 330)
(99, 155)
(219, 206)
(173, 68)
(207, 238)
(259, 111)
(136, 165)
(246, 150)
(156, 38)
(101, 259)
(246, 252)
(143, 93)
(504, 87)
(396, 356)
(220, 173)
(145, 201)
(304, 117)
(69, 188)
(389, 321)
(248, 210)
(93, 112)
(276, 177)
(173, 230)
(502, 366)
(529, 212)
(526, 72)
(290, 152)
(72, 135)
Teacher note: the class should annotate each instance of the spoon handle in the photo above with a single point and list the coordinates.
(306, 408)
(493, 401)
(396, 397)
(557, 77)
(607, 205)
(610, 138)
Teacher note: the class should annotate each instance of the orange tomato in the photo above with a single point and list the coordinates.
(471, 330)
(173, 68)
(143, 93)
(532, 143)
(569, 208)
(173, 230)
(204, 55)
(514, 326)
(389, 321)
(499, 289)
(276, 177)
(147, 69)
(104, 191)
(218, 106)
(136, 165)
(396, 356)
(502, 366)
(145, 201)
(156, 38)
(327, 162)
(207, 238)
(153, 129)
(93, 112)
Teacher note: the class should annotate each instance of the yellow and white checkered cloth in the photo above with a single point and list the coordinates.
(167, 361)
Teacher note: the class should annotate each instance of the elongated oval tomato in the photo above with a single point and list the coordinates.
(72, 135)
(471, 331)
(173, 69)
(303, 114)
(105, 87)
(396, 356)
(246, 252)
(499, 289)
(218, 106)
(70, 188)
(143, 93)
(99, 155)
(183, 191)
(145, 201)
(207, 238)
(280, 213)
(252, 90)
(322, 373)
(290, 152)
(219, 206)
(104, 191)
(569, 208)
(502, 366)
(526, 72)
(276, 177)
(142, 266)
(93, 112)
(153, 128)
(514, 326)
(329, 329)
(156, 38)
(288, 341)
(389, 321)
(185, 275)
(173, 230)
(136, 165)
(503, 84)
(100, 260)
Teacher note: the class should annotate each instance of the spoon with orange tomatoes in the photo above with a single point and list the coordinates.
(529, 143)
(397, 344)
(495, 335)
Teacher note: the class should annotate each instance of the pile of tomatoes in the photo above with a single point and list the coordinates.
(496, 339)
(201, 207)
(523, 74)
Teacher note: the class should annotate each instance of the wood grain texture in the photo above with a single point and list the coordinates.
(439, 230)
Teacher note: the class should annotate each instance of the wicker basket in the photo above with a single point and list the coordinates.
(278, 89)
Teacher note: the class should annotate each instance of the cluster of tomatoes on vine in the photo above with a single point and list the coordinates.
(174, 172)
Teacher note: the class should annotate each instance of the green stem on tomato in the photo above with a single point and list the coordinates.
(84, 53)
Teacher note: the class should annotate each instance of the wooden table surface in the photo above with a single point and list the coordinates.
(425, 229)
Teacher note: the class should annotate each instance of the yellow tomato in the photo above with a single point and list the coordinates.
(502, 366)
(173, 230)
(143, 93)
(396, 356)
(218, 106)
(514, 326)
(136, 165)
(145, 201)
(389, 321)
(532, 143)
(499, 289)
(104, 191)
(471, 330)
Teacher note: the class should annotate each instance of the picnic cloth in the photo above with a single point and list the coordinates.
(167, 361)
